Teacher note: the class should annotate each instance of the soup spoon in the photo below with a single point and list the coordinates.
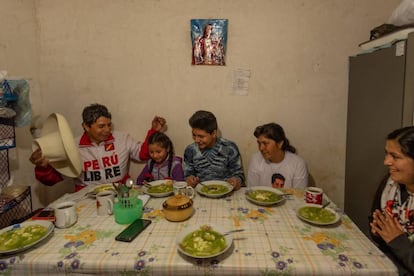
(209, 187)
(326, 204)
(233, 231)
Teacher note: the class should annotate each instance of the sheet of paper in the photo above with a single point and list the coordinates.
(241, 79)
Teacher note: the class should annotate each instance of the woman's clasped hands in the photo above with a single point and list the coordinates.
(385, 226)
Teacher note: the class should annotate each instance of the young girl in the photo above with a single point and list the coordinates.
(163, 163)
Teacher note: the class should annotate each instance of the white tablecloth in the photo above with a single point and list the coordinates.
(275, 242)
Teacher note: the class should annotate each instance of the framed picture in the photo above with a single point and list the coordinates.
(209, 40)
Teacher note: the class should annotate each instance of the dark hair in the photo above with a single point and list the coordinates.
(277, 176)
(275, 132)
(92, 112)
(204, 120)
(405, 138)
(165, 142)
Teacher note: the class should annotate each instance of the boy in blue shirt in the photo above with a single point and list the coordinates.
(211, 157)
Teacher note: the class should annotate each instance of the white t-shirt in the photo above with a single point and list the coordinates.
(292, 168)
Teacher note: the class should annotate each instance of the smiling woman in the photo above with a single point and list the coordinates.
(392, 222)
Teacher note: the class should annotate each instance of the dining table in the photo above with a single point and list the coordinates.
(275, 241)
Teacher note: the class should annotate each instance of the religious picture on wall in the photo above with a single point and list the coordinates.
(209, 40)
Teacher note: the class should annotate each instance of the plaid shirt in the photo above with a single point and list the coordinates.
(217, 163)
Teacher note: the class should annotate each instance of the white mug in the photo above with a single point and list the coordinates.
(181, 188)
(65, 213)
(105, 203)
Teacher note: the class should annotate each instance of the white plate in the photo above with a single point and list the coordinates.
(192, 228)
(265, 188)
(49, 226)
(100, 188)
(155, 183)
(316, 221)
(199, 188)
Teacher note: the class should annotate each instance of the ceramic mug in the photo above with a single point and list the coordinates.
(65, 213)
(181, 188)
(105, 203)
(313, 195)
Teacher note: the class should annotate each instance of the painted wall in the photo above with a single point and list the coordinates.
(135, 57)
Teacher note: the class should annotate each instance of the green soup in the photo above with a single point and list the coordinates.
(317, 214)
(162, 188)
(264, 196)
(214, 189)
(21, 237)
(203, 242)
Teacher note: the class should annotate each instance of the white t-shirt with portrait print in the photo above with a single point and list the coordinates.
(293, 168)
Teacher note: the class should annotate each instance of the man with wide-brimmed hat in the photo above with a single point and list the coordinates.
(100, 155)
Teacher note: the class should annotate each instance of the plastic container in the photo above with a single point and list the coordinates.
(127, 209)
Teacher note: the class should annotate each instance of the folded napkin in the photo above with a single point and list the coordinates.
(144, 199)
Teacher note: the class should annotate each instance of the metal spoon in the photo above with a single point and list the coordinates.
(129, 183)
(116, 186)
(233, 231)
(209, 187)
(326, 204)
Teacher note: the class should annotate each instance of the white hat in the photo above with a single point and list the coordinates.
(58, 146)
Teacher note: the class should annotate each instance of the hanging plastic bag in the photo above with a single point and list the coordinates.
(20, 89)
(14, 94)
(3, 102)
(403, 14)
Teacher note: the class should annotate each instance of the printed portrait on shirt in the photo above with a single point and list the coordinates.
(278, 180)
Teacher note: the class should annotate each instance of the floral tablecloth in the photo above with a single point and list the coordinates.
(275, 242)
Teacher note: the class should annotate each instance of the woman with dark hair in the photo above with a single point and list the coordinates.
(392, 222)
(276, 157)
(163, 163)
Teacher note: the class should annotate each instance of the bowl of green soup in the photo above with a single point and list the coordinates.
(315, 214)
(264, 195)
(214, 188)
(159, 188)
(19, 237)
(203, 241)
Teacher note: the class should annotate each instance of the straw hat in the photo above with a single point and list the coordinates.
(58, 146)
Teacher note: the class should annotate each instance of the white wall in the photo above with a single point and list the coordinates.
(135, 57)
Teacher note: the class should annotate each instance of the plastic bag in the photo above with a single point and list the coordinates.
(14, 94)
(22, 106)
(403, 14)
